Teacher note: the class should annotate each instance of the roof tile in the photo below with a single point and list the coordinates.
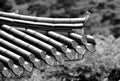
(19, 40)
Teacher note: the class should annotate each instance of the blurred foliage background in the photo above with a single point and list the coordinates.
(104, 18)
(104, 22)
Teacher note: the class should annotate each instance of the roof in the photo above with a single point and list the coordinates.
(82, 19)
(25, 48)
(42, 22)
